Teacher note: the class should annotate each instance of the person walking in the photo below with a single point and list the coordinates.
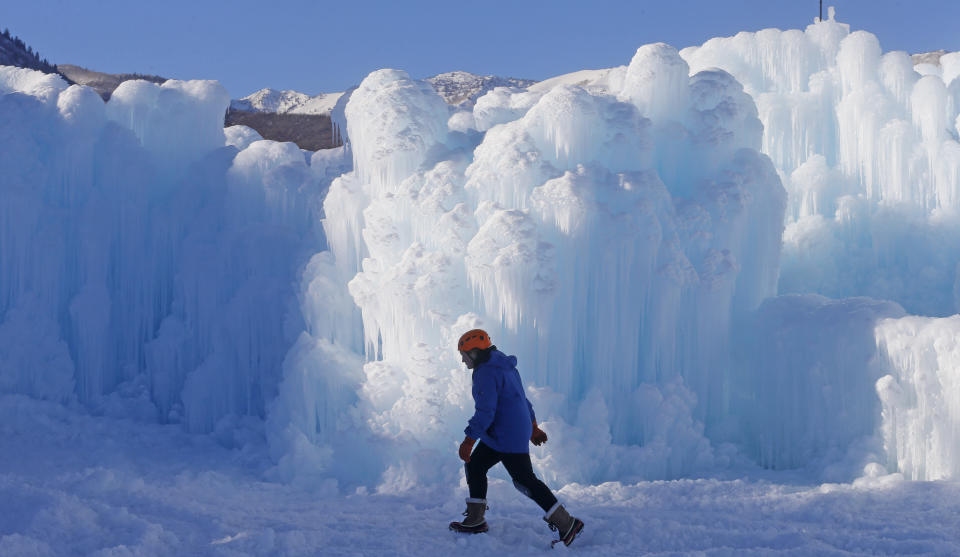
(504, 423)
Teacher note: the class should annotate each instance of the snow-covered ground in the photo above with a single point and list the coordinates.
(76, 484)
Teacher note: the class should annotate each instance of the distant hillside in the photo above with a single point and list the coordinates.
(13, 52)
(309, 131)
(928, 57)
(103, 83)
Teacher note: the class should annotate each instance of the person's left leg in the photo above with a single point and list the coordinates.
(520, 468)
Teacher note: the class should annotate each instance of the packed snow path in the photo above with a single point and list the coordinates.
(73, 484)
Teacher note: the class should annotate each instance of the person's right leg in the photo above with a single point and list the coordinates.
(519, 467)
(481, 460)
(556, 516)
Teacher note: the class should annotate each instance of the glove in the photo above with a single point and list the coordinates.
(539, 437)
(466, 448)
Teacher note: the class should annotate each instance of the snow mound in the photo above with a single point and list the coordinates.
(241, 136)
(43, 86)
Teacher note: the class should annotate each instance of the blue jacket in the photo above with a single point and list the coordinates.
(504, 417)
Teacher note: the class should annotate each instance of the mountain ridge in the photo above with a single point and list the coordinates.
(14, 52)
(103, 83)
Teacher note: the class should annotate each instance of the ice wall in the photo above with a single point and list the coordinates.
(147, 269)
(156, 114)
(867, 149)
(623, 239)
(608, 239)
(805, 394)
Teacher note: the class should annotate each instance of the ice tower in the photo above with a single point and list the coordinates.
(609, 239)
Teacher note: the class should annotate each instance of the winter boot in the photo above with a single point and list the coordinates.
(474, 523)
(560, 521)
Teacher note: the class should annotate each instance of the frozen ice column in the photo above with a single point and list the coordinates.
(921, 396)
(178, 121)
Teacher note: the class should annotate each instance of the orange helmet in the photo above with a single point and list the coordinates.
(476, 338)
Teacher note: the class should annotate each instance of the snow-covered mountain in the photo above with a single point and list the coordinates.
(457, 88)
(464, 88)
(286, 102)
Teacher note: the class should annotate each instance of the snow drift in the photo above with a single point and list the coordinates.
(626, 238)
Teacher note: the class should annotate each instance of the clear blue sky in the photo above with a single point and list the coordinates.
(322, 46)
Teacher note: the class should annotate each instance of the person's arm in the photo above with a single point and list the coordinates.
(466, 447)
(537, 437)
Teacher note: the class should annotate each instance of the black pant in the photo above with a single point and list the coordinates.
(518, 466)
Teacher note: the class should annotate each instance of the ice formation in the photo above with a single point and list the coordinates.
(137, 249)
(434, 239)
(805, 395)
(654, 242)
(620, 236)
(868, 150)
(241, 136)
(921, 395)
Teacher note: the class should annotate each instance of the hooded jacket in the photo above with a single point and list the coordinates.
(503, 419)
